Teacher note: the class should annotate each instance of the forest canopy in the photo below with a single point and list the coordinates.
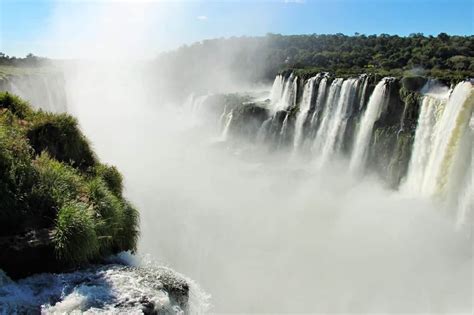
(261, 58)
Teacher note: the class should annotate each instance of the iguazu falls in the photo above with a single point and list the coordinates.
(236, 157)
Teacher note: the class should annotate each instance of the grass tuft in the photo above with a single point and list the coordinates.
(15, 105)
(74, 236)
(112, 178)
(59, 135)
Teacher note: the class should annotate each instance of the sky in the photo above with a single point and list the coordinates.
(74, 28)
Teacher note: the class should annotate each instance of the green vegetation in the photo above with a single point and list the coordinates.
(51, 179)
(254, 59)
(59, 135)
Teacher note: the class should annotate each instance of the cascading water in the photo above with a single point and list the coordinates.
(338, 121)
(319, 106)
(375, 107)
(444, 145)
(303, 110)
(42, 90)
(263, 130)
(277, 89)
(431, 110)
(287, 90)
(329, 108)
(363, 92)
(228, 121)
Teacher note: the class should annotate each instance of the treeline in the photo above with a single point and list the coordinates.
(253, 59)
(30, 60)
(383, 51)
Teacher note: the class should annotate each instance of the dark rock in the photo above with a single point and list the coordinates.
(414, 83)
(22, 255)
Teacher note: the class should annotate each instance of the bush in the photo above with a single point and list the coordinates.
(112, 178)
(128, 233)
(107, 209)
(74, 237)
(117, 220)
(60, 136)
(57, 184)
(16, 178)
(15, 105)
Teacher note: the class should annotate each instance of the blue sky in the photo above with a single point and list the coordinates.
(61, 28)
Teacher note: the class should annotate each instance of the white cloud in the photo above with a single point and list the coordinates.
(202, 17)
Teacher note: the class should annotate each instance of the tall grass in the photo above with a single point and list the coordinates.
(60, 136)
(75, 239)
(51, 178)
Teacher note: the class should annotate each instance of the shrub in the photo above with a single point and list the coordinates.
(74, 237)
(128, 233)
(16, 177)
(112, 178)
(57, 184)
(15, 105)
(59, 134)
(107, 209)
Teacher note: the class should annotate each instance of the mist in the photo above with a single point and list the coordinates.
(258, 230)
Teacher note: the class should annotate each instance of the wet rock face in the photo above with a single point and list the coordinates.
(248, 118)
(24, 254)
(414, 83)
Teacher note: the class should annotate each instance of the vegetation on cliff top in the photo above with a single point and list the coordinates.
(51, 179)
(253, 59)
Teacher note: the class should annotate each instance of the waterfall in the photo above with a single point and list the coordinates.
(303, 110)
(375, 107)
(441, 144)
(288, 93)
(222, 121)
(263, 130)
(41, 90)
(363, 93)
(322, 132)
(228, 122)
(277, 89)
(337, 123)
(431, 109)
(318, 108)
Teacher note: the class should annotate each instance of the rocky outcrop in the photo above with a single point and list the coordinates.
(24, 254)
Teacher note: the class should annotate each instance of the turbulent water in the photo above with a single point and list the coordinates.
(298, 217)
(104, 289)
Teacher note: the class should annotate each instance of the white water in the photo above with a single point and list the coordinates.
(338, 120)
(431, 110)
(286, 89)
(106, 289)
(364, 91)
(228, 121)
(447, 148)
(375, 107)
(328, 113)
(303, 110)
(277, 89)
